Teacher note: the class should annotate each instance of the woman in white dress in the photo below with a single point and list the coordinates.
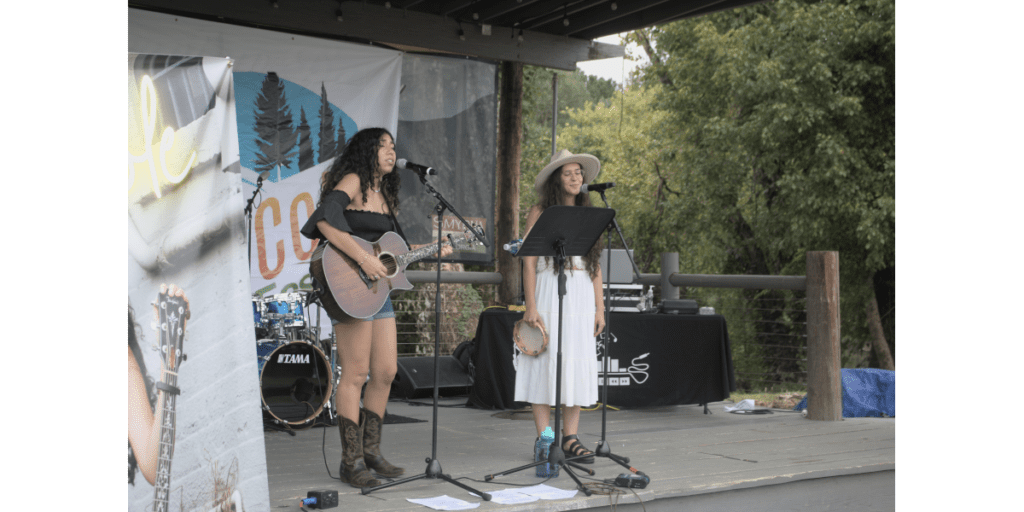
(559, 183)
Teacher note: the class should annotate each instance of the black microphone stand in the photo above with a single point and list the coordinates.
(433, 466)
(559, 232)
(603, 448)
(248, 212)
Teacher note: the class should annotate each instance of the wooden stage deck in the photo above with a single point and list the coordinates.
(721, 461)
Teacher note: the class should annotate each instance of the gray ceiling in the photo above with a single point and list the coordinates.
(550, 33)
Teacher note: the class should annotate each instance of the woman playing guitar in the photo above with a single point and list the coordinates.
(359, 198)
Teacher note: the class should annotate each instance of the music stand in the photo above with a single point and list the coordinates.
(560, 232)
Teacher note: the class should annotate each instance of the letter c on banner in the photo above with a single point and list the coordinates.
(301, 253)
(261, 239)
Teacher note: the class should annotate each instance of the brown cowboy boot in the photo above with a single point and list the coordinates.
(372, 425)
(353, 469)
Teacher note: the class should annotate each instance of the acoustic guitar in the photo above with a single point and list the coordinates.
(350, 292)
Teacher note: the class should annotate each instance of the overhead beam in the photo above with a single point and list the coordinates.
(394, 26)
(663, 13)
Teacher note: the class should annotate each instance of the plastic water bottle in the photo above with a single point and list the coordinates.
(541, 451)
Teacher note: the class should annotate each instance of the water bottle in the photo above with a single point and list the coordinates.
(540, 453)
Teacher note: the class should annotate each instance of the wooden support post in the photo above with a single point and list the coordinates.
(506, 215)
(824, 375)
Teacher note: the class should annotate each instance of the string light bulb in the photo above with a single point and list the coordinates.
(339, 15)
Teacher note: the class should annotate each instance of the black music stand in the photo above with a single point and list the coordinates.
(563, 231)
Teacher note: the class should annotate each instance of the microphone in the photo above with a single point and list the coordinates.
(422, 170)
(513, 246)
(597, 187)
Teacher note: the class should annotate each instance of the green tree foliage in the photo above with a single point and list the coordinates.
(656, 208)
(273, 124)
(784, 116)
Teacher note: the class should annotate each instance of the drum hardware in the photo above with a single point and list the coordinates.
(298, 374)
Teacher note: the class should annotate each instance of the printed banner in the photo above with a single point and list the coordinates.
(298, 100)
(195, 430)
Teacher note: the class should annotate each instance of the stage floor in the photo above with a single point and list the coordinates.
(724, 461)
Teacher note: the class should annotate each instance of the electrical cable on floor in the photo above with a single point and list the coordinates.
(598, 408)
(431, 404)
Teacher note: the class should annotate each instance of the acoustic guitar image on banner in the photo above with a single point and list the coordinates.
(152, 433)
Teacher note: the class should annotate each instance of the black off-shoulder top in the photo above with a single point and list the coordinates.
(364, 224)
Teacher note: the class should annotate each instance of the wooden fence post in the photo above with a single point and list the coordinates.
(669, 266)
(824, 375)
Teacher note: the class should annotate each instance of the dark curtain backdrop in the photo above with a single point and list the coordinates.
(447, 120)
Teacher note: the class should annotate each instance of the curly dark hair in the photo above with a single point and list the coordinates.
(360, 157)
(134, 337)
(551, 195)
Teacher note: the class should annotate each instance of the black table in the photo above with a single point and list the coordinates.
(656, 360)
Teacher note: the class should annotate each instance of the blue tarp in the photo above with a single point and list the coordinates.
(866, 392)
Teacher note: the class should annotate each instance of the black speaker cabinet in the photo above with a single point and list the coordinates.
(415, 377)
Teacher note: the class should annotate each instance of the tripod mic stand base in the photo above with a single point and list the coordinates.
(433, 471)
(603, 450)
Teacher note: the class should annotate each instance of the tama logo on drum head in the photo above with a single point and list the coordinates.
(293, 358)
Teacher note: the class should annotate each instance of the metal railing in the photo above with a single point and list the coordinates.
(774, 329)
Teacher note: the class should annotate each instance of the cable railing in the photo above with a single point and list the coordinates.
(781, 339)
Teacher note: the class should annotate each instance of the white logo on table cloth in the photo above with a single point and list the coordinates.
(617, 375)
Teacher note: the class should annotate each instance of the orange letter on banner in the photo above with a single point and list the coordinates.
(300, 253)
(261, 239)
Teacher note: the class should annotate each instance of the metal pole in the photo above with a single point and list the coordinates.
(554, 112)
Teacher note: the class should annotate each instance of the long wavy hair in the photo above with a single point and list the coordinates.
(134, 337)
(551, 195)
(360, 157)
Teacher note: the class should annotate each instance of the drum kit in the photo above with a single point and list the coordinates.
(297, 370)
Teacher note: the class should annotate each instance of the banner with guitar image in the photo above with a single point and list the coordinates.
(195, 436)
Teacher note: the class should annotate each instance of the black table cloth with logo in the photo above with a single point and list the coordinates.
(657, 359)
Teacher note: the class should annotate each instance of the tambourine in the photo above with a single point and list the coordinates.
(529, 339)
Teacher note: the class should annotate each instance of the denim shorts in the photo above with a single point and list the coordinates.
(385, 311)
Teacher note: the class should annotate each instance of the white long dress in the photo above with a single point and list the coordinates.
(535, 375)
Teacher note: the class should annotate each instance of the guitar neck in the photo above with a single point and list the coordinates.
(418, 254)
(162, 485)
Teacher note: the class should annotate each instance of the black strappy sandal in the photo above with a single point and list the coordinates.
(577, 449)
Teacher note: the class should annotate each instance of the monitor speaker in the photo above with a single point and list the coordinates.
(415, 377)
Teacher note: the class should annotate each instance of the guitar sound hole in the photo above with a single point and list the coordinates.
(389, 262)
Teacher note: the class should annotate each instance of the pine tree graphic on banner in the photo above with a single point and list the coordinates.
(341, 136)
(328, 146)
(276, 135)
(306, 159)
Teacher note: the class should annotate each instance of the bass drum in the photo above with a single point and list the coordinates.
(295, 381)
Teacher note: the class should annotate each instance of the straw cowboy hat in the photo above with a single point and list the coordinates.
(590, 165)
